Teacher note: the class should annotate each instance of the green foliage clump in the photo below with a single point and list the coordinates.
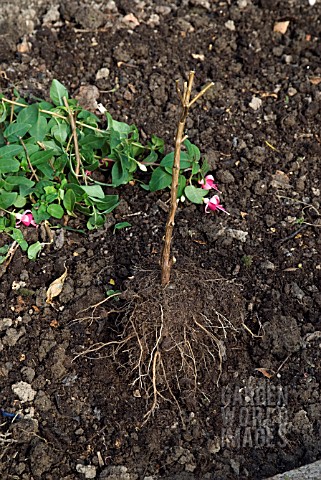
(247, 260)
(48, 152)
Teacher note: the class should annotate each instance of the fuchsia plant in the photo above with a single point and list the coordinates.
(26, 218)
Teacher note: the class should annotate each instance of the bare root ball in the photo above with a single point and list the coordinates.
(175, 336)
(172, 340)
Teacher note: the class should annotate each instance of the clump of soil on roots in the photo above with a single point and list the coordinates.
(171, 340)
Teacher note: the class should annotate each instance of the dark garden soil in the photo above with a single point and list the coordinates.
(259, 128)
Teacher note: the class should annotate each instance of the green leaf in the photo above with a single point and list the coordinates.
(160, 179)
(43, 156)
(181, 185)
(88, 117)
(52, 145)
(168, 161)
(47, 170)
(120, 225)
(3, 113)
(95, 221)
(3, 253)
(33, 250)
(28, 115)
(10, 151)
(17, 235)
(60, 162)
(195, 168)
(7, 199)
(120, 127)
(20, 201)
(93, 191)
(51, 194)
(77, 189)
(60, 132)
(4, 249)
(92, 141)
(39, 129)
(45, 106)
(192, 151)
(49, 189)
(158, 143)
(31, 148)
(195, 195)
(55, 210)
(4, 222)
(41, 161)
(16, 130)
(40, 214)
(112, 292)
(205, 167)
(9, 165)
(15, 180)
(119, 175)
(57, 92)
(85, 210)
(24, 184)
(151, 158)
(69, 201)
(107, 204)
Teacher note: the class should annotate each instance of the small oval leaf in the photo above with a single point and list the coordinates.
(195, 195)
(57, 92)
(55, 210)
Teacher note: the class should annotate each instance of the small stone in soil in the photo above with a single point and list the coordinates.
(24, 391)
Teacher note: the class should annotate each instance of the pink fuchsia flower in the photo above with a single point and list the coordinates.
(88, 173)
(26, 218)
(213, 204)
(208, 183)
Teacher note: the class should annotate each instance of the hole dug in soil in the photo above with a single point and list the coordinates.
(172, 341)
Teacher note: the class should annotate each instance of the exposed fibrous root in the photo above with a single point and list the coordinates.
(96, 347)
(197, 346)
(170, 348)
(5, 438)
(93, 308)
(220, 346)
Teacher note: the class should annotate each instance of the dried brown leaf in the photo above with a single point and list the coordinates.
(55, 287)
(265, 372)
(315, 80)
(280, 180)
(130, 20)
(281, 27)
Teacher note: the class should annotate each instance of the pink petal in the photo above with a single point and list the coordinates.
(215, 200)
(209, 177)
(223, 209)
(26, 218)
(211, 184)
(208, 183)
(213, 204)
(207, 201)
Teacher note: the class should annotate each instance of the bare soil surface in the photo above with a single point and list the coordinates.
(259, 128)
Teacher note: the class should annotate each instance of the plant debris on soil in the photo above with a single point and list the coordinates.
(259, 128)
